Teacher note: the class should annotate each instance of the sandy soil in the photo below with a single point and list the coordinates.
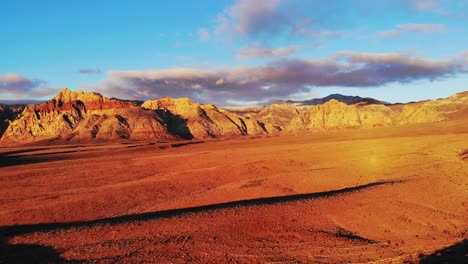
(384, 195)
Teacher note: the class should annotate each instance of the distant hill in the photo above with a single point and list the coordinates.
(20, 102)
(135, 102)
(347, 99)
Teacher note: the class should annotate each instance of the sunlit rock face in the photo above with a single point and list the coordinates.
(8, 114)
(281, 117)
(82, 116)
(284, 117)
(333, 114)
(188, 118)
(86, 116)
(330, 115)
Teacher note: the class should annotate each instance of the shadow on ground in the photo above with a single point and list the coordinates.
(33, 253)
(11, 231)
(7, 161)
(28, 253)
(457, 253)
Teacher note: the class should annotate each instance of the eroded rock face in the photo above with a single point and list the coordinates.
(376, 116)
(455, 106)
(85, 116)
(190, 119)
(337, 115)
(330, 115)
(334, 114)
(82, 116)
(8, 114)
(418, 114)
(280, 117)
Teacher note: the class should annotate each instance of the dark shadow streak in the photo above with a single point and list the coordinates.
(10, 231)
(343, 233)
(463, 155)
(178, 145)
(29, 253)
(23, 151)
(457, 253)
(51, 153)
(7, 161)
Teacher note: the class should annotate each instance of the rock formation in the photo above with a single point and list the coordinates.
(340, 98)
(190, 119)
(82, 116)
(85, 116)
(333, 114)
(8, 113)
(279, 117)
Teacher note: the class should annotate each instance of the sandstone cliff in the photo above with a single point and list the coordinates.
(280, 117)
(330, 115)
(334, 114)
(190, 119)
(8, 113)
(84, 116)
(337, 115)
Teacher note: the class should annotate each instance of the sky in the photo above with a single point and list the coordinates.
(234, 52)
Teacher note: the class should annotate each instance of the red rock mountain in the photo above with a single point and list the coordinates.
(89, 117)
(202, 120)
(82, 116)
(337, 115)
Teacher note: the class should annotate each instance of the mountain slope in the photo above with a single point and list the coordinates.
(340, 98)
(89, 117)
(280, 117)
(8, 113)
(82, 116)
(190, 119)
(333, 114)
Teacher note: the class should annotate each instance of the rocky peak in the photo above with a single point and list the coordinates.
(67, 100)
(341, 98)
(181, 106)
(334, 102)
(65, 96)
(169, 102)
(84, 115)
(333, 114)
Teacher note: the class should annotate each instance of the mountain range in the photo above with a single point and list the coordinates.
(78, 116)
(341, 98)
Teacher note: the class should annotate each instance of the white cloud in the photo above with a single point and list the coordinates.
(283, 77)
(408, 28)
(204, 34)
(253, 52)
(249, 19)
(14, 86)
(89, 71)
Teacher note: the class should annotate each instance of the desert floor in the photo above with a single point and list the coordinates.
(386, 194)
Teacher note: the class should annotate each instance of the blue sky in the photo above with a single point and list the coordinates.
(235, 52)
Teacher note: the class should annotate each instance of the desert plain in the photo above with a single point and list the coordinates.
(381, 195)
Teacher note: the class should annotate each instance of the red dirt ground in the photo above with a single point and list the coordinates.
(389, 195)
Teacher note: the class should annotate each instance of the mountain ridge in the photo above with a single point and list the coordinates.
(347, 99)
(80, 116)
